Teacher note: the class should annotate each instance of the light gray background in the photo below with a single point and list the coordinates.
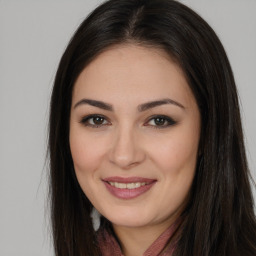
(33, 36)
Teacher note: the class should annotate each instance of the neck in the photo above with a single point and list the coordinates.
(135, 241)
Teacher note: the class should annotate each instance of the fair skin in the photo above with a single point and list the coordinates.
(115, 140)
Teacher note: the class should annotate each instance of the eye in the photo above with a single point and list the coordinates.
(160, 122)
(94, 121)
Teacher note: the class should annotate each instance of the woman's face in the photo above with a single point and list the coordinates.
(134, 134)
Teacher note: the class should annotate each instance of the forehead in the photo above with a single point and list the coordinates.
(132, 72)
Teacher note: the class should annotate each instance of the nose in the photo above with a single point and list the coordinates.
(126, 150)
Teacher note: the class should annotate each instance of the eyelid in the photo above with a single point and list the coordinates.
(84, 120)
(170, 121)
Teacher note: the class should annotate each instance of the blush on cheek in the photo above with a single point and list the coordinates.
(85, 161)
(177, 159)
(85, 157)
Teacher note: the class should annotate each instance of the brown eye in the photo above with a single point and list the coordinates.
(161, 122)
(98, 120)
(94, 121)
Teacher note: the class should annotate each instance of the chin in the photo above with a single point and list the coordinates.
(128, 218)
(128, 222)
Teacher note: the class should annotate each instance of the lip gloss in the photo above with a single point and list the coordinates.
(128, 193)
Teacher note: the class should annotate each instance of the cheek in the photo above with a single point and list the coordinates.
(86, 153)
(175, 154)
(176, 161)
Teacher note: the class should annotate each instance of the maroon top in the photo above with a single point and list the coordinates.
(160, 247)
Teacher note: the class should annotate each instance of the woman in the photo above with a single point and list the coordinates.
(145, 128)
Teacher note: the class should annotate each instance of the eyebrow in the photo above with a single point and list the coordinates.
(141, 108)
(95, 103)
(156, 103)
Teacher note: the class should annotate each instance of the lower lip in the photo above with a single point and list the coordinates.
(125, 193)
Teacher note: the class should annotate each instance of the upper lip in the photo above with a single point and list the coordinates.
(128, 179)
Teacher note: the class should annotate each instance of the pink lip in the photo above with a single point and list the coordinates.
(124, 193)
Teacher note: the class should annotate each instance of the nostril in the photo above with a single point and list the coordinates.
(126, 151)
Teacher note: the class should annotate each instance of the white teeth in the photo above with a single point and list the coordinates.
(131, 185)
(120, 185)
(127, 185)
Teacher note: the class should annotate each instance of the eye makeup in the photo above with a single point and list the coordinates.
(156, 121)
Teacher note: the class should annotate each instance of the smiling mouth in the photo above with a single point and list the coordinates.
(128, 188)
(128, 185)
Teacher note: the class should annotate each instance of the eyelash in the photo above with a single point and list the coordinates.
(170, 121)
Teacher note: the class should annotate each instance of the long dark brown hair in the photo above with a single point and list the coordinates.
(219, 218)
